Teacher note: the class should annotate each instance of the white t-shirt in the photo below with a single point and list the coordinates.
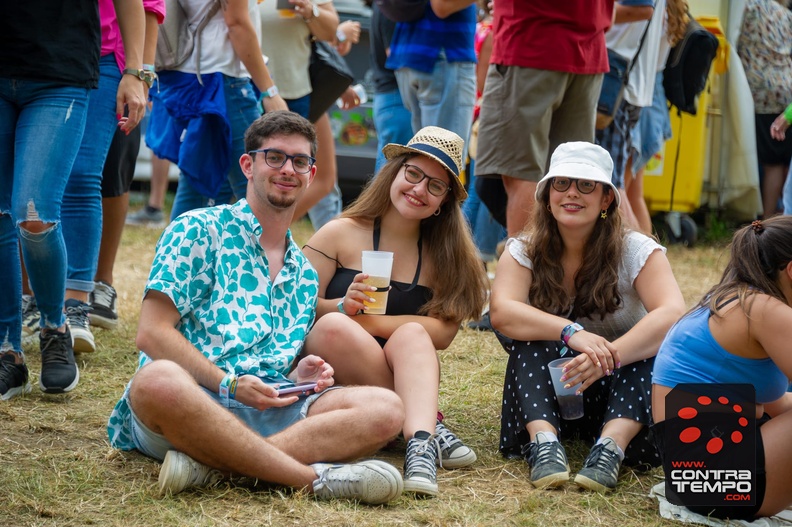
(625, 38)
(286, 41)
(635, 252)
(217, 53)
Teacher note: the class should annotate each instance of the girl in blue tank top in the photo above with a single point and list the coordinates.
(739, 333)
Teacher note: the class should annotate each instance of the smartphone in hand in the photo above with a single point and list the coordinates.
(301, 388)
(284, 4)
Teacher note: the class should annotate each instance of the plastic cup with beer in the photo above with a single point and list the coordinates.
(377, 265)
(569, 404)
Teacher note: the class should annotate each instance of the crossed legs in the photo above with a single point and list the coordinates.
(341, 425)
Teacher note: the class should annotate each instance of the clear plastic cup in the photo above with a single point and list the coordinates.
(569, 404)
(378, 265)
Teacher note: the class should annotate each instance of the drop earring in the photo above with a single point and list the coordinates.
(603, 214)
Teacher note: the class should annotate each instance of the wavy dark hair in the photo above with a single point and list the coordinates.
(758, 253)
(597, 280)
(458, 282)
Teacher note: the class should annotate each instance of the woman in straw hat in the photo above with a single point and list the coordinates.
(576, 284)
(411, 208)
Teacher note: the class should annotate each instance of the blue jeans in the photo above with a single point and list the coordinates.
(392, 122)
(82, 200)
(41, 126)
(786, 194)
(241, 106)
(486, 231)
(443, 98)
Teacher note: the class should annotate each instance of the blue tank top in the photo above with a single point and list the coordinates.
(690, 354)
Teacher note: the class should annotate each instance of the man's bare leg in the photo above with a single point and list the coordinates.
(521, 195)
(169, 402)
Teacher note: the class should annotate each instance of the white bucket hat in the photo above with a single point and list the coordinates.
(580, 160)
(439, 144)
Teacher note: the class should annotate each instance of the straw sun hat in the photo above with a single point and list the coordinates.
(439, 144)
(580, 160)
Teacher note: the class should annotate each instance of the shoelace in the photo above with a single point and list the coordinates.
(54, 350)
(445, 438)
(78, 315)
(103, 295)
(420, 456)
(349, 486)
(602, 458)
(541, 453)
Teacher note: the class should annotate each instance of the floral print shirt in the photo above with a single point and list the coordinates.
(210, 264)
(765, 50)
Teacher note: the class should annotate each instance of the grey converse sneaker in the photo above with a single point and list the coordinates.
(548, 462)
(77, 320)
(420, 468)
(453, 453)
(179, 471)
(600, 471)
(30, 320)
(104, 312)
(370, 481)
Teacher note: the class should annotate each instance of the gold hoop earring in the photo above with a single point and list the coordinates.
(436, 212)
(603, 214)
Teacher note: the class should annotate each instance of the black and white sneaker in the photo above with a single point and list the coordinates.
(14, 378)
(77, 320)
(103, 300)
(453, 452)
(420, 468)
(59, 372)
(548, 462)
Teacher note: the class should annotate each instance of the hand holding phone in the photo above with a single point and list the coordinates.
(302, 388)
(284, 4)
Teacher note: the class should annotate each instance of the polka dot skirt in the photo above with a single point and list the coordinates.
(528, 395)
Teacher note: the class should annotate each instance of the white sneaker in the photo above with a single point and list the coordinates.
(371, 481)
(179, 471)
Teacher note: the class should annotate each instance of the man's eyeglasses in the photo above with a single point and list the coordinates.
(277, 158)
(584, 186)
(435, 186)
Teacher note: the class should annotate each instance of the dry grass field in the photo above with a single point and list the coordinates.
(57, 468)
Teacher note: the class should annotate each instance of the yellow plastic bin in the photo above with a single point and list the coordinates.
(671, 183)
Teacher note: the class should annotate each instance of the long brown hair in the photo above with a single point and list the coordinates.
(459, 283)
(596, 282)
(678, 18)
(759, 252)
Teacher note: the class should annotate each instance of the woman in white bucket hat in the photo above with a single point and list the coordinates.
(411, 208)
(576, 284)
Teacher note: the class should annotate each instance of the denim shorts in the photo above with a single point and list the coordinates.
(266, 423)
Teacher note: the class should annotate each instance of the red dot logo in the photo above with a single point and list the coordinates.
(690, 434)
(714, 445)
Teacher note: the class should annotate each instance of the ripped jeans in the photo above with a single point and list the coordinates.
(41, 127)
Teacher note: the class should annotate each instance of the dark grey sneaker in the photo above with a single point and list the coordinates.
(453, 452)
(13, 377)
(59, 372)
(77, 320)
(146, 216)
(104, 312)
(420, 468)
(548, 462)
(600, 471)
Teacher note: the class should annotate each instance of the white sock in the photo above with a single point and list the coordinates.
(545, 437)
(618, 448)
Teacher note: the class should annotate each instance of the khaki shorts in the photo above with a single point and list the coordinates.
(526, 113)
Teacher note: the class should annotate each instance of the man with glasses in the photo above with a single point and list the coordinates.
(227, 307)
